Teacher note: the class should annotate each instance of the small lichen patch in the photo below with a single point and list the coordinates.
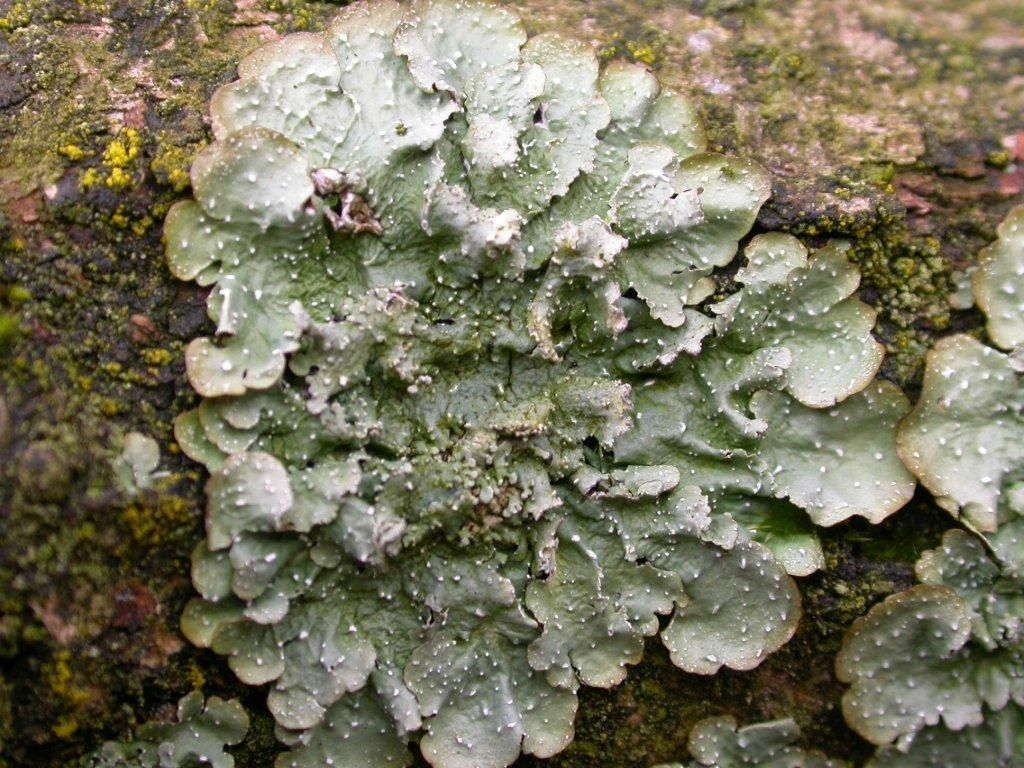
(718, 742)
(135, 467)
(200, 735)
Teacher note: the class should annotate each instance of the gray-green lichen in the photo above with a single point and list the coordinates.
(474, 428)
(997, 284)
(944, 654)
(939, 668)
(998, 741)
(135, 467)
(718, 742)
(199, 737)
(963, 438)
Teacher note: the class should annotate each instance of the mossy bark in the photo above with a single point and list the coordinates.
(894, 124)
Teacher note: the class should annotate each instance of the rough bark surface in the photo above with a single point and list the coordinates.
(896, 124)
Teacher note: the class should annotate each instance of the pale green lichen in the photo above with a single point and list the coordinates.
(753, 418)
(997, 283)
(470, 438)
(937, 669)
(964, 436)
(998, 741)
(199, 737)
(717, 742)
(945, 651)
(135, 468)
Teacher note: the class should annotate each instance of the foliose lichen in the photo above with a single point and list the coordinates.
(997, 283)
(963, 438)
(931, 665)
(135, 467)
(718, 742)
(199, 737)
(939, 669)
(999, 740)
(474, 427)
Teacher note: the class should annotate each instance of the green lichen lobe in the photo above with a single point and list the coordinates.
(203, 730)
